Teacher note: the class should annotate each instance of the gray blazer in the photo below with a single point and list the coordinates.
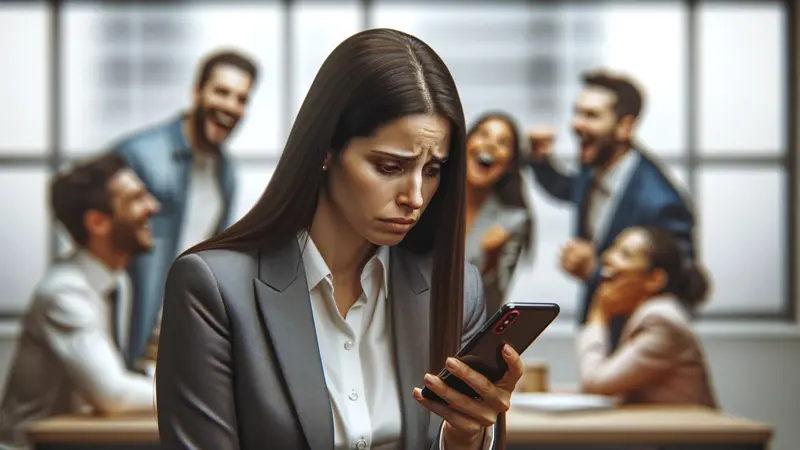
(238, 361)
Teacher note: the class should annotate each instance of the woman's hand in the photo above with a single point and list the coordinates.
(466, 419)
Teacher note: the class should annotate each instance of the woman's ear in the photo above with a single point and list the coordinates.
(656, 280)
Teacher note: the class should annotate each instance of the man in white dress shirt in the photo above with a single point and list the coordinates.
(68, 356)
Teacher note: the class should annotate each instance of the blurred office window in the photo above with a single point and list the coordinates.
(316, 29)
(24, 80)
(130, 66)
(743, 237)
(24, 235)
(125, 66)
(741, 84)
(742, 140)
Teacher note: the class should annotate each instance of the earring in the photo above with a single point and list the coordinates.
(324, 167)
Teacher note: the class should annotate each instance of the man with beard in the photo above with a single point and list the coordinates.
(618, 185)
(183, 164)
(68, 356)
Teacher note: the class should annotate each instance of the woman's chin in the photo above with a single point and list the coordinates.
(388, 239)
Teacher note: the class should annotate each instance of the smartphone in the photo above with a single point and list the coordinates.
(516, 324)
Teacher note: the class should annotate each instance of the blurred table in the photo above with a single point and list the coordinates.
(629, 427)
(80, 432)
(635, 427)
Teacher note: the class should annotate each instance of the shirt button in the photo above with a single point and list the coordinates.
(353, 395)
(361, 444)
(348, 345)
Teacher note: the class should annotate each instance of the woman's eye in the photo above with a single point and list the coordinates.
(432, 171)
(388, 168)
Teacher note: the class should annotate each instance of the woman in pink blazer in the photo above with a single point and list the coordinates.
(646, 276)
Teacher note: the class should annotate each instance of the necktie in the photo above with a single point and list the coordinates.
(586, 209)
(593, 190)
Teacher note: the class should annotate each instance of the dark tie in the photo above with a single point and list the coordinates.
(592, 190)
(113, 301)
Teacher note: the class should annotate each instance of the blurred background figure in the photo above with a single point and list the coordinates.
(499, 225)
(644, 274)
(69, 356)
(618, 184)
(183, 163)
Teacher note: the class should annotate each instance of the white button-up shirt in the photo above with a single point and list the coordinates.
(358, 357)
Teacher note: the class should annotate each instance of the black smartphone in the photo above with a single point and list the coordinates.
(516, 324)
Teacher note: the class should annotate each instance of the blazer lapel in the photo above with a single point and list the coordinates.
(409, 297)
(284, 303)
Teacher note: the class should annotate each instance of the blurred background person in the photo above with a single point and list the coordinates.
(499, 224)
(619, 185)
(183, 163)
(659, 359)
(69, 357)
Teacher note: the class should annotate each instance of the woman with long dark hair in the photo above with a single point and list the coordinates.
(312, 321)
(646, 275)
(498, 222)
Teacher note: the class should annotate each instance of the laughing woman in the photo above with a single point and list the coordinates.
(659, 358)
(311, 322)
(499, 224)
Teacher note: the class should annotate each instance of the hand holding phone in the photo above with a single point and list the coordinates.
(515, 324)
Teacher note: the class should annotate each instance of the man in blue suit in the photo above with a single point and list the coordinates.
(617, 186)
(183, 164)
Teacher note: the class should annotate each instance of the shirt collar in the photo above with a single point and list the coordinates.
(180, 143)
(613, 180)
(102, 279)
(317, 270)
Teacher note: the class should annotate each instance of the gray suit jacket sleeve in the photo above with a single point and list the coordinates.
(194, 375)
(474, 317)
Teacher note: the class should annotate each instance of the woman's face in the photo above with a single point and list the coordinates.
(382, 184)
(626, 278)
(490, 149)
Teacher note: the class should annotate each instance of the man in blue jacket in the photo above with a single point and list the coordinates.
(183, 164)
(618, 185)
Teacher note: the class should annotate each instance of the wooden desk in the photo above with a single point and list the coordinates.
(644, 426)
(77, 432)
(683, 428)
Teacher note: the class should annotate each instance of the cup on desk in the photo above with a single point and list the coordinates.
(535, 377)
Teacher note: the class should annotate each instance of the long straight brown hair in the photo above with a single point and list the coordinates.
(369, 80)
